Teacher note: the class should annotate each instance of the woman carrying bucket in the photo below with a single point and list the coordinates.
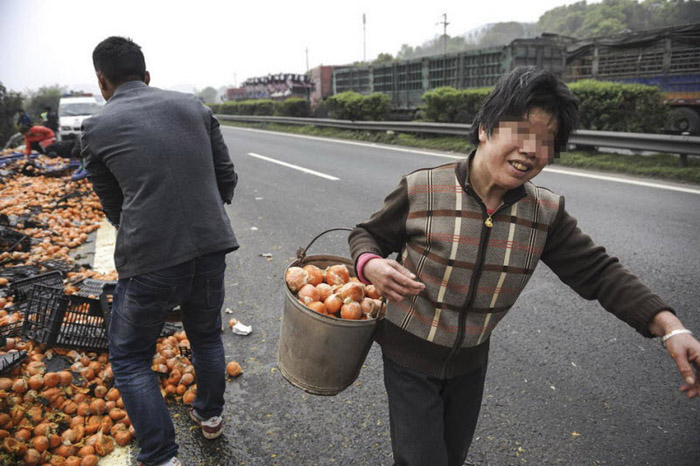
(469, 235)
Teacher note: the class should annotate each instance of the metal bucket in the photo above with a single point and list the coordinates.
(321, 354)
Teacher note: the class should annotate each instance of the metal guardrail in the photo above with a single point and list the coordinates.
(666, 143)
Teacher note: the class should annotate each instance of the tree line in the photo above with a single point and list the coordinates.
(34, 101)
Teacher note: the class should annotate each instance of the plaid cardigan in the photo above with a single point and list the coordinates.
(475, 272)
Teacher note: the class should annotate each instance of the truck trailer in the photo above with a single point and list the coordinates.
(406, 81)
(668, 58)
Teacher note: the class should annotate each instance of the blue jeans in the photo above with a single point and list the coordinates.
(140, 306)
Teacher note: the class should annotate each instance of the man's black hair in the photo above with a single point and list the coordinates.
(21, 111)
(519, 92)
(120, 60)
(23, 129)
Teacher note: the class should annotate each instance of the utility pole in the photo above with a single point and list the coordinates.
(444, 32)
(307, 77)
(364, 37)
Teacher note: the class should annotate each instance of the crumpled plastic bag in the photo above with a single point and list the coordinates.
(238, 327)
(241, 329)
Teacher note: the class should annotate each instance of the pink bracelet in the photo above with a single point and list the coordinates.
(364, 258)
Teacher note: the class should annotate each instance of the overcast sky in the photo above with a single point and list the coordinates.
(194, 44)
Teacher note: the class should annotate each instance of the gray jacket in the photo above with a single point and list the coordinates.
(159, 164)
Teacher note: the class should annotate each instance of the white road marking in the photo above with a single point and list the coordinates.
(560, 171)
(296, 167)
(103, 261)
(351, 143)
(624, 180)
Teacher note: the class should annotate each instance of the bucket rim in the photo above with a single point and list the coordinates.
(304, 260)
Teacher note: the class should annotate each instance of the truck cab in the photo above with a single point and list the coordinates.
(72, 110)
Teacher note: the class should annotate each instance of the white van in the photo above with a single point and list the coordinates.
(72, 110)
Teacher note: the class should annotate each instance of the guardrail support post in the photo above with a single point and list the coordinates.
(683, 158)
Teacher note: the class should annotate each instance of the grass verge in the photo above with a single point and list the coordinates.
(660, 167)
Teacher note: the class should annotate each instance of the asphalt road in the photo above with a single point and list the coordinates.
(567, 383)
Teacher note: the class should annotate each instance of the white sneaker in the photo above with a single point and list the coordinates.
(211, 428)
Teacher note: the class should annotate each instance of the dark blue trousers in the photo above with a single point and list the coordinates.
(432, 420)
(140, 307)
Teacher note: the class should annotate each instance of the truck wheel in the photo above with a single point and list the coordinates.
(682, 120)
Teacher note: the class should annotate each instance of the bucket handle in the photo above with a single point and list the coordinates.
(301, 252)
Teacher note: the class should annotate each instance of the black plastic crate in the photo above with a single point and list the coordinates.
(56, 319)
(12, 240)
(11, 359)
(92, 287)
(19, 272)
(11, 330)
(20, 289)
(28, 219)
(186, 351)
(60, 266)
(106, 298)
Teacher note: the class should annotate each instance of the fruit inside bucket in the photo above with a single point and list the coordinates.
(323, 352)
(333, 291)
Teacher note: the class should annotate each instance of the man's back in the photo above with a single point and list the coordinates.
(163, 153)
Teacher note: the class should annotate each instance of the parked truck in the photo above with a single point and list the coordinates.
(668, 58)
(406, 81)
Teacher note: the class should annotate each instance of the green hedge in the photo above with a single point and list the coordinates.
(604, 106)
(259, 107)
(450, 105)
(353, 106)
(293, 107)
(610, 106)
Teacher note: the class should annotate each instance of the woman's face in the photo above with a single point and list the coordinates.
(517, 151)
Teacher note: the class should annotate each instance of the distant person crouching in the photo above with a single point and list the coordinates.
(37, 138)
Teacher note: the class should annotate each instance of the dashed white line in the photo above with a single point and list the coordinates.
(295, 167)
(560, 171)
(350, 143)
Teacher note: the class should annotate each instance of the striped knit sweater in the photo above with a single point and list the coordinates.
(475, 266)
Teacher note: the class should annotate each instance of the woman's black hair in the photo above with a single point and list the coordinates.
(522, 90)
(120, 60)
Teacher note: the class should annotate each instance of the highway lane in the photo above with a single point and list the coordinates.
(567, 383)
